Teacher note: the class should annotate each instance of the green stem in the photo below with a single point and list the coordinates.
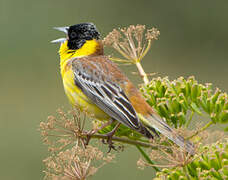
(189, 120)
(200, 130)
(147, 158)
(186, 172)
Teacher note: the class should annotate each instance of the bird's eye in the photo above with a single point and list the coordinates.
(73, 34)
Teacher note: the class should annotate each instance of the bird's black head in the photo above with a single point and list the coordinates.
(79, 33)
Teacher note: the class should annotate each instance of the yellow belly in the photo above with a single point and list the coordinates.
(78, 98)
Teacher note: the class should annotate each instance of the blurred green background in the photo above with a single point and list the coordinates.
(193, 41)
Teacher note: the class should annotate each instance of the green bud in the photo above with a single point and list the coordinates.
(184, 107)
(208, 105)
(162, 110)
(223, 154)
(174, 120)
(225, 170)
(161, 91)
(152, 99)
(213, 162)
(195, 108)
(226, 105)
(174, 106)
(192, 169)
(203, 164)
(203, 102)
(216, 174)
(213, 117)
(181, 118)
(225, 162)
(218, 107)
(215, 96)
(224, 117)
(175, 175)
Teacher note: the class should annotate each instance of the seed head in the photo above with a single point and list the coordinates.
(132, 42)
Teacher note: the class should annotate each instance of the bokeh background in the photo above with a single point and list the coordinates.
(193, 41)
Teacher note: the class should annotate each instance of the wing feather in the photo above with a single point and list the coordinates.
(104, 92)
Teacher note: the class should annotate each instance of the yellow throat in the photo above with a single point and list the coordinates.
(89, 48)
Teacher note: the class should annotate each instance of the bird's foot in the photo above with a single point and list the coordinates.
(94, 131)
(88, 136)
(109, 136)
(109, 141)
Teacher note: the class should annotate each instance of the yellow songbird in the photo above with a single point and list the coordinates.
(93, 82)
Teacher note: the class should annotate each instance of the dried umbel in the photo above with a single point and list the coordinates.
(211, 164)
(167, 155)
(66, 129)
(77, 163)
(70, 158)
(133, 42)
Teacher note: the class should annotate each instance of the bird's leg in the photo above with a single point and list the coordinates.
(109, 137)
(94, 131)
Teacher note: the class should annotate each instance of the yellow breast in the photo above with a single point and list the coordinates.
(76, 96)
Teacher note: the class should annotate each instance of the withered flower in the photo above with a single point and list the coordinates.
(133, 43)
(77, 163)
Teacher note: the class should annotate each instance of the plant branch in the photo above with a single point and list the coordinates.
(122, 52)
(142, 72)
(119, 60)
(146, 50)
(124, 140)
(189, 120)
(147, 157)
(186, 172)
(201, 129)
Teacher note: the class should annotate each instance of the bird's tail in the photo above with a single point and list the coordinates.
(155, 122)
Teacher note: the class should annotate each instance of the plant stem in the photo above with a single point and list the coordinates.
(124, 140)
(121, 52)
(146, 50)
(147, 157)
(201, 129)
(119, 60)
(189, 120)
(186, 172)
(142, 72)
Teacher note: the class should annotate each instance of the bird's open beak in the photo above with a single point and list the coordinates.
(61, 40)
(63, 29)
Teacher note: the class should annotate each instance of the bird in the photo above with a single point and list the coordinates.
(93, 82)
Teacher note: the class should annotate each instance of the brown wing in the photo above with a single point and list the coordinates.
(100, 80)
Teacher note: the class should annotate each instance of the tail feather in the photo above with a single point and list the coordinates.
(154, 121)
